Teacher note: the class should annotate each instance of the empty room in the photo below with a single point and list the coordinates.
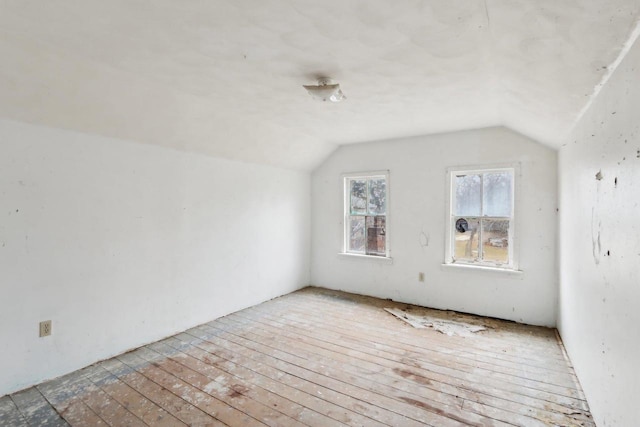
(338, 213)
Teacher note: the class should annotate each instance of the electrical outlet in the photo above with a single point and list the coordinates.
(45, 328)
(420, 277)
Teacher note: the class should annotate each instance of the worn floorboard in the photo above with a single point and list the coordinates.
(321, 358)
(9, 413)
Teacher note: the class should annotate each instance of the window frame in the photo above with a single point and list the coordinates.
(346, 191)
(450, 260)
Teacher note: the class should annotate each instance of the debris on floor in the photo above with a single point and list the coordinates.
(447, 327)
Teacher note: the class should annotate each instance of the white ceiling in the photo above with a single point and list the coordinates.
(225, 77)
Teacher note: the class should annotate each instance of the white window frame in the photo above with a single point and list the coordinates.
(450, 220)
(346, 190)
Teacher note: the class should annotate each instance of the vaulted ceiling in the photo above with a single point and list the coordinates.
(225, 77)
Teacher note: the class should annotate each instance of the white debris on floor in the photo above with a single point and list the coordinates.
(447, 327)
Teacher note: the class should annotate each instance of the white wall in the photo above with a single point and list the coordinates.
(417, 213)
(120, 244)
(600, 247)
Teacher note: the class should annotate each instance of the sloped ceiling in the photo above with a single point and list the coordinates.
(225, 77)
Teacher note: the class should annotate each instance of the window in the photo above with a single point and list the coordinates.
(365, 225)
(481, 218)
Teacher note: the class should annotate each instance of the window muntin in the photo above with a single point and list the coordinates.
(481, 217)
(366, 214)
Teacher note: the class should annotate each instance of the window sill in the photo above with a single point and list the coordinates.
(379, 259)
(483, 268)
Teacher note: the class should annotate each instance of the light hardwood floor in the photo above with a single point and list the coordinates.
(319, 358)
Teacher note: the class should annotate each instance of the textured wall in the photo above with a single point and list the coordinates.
(600, 247)
(120, 244)
(417, 218)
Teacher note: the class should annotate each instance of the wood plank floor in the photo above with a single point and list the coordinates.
(320, 358)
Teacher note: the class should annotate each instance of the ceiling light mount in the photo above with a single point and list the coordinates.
(325, 90)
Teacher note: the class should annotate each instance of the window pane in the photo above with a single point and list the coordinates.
(497, 194)
(466, 239)
(495, 241)
(377, 196)
(376, 235)
(358, 192)
(468, 195)
(356, 234)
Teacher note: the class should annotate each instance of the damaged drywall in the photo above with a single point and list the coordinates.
(600, 249)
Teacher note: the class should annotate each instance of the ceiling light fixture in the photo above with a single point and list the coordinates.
(325, 91)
